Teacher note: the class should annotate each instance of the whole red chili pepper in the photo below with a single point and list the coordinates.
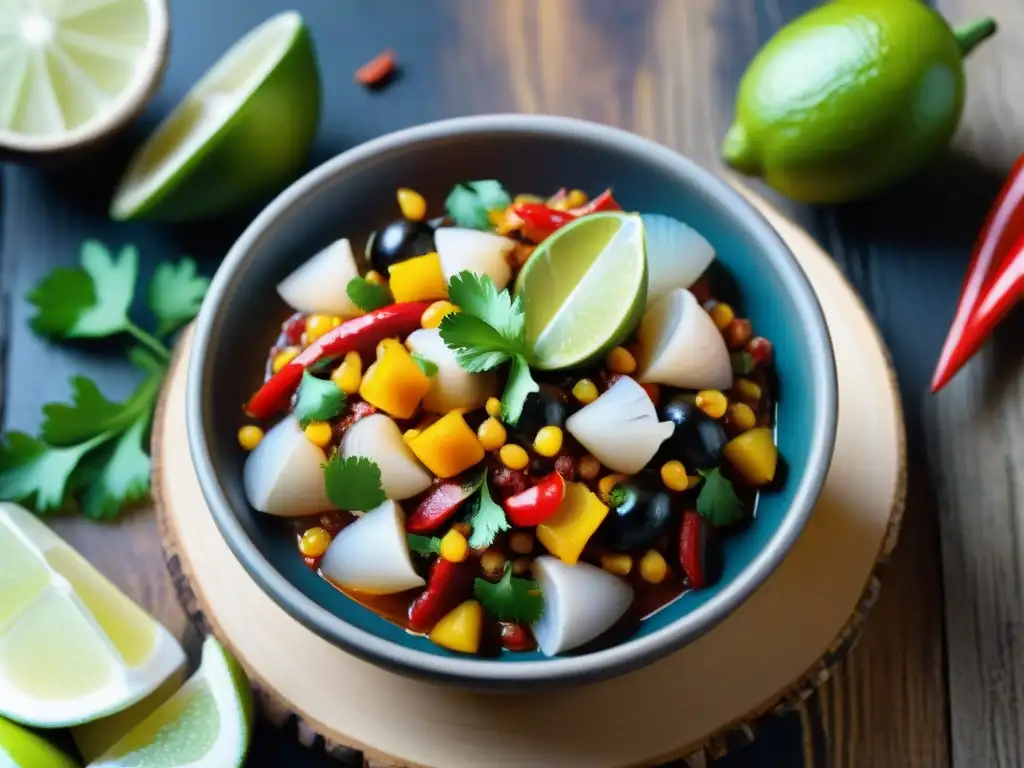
(360, 333)
(535, 505)
(1003, 227)
(1005, 290)
(441, 503)
(450, 583)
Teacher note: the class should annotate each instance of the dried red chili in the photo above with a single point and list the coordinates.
(378, 70)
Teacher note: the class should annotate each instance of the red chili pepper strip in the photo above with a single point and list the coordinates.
(693, 549)
(1003, 227)
(1006, 290)
(540, 221)
(441, 503)
(449, 584)
(535, 505)
(603, 202)
(360, 334)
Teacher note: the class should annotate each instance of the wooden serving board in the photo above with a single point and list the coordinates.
(774, 650)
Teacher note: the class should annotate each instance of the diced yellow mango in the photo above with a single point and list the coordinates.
(754, 455)
(394, 383)
(460, 629)
(567, 532)
(448, 446)
(418, 279)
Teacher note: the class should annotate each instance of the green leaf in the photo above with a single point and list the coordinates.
(518, 387)
(477, 346)
(477, 296)
(512, 598)
(121, 475)
(469, 203)
(488, 519)
(60, 299)
(424, 545)
(429, 367)
(318, 400)
(717, 501)
(175, 294)
(36, 474)
(366, 295)
(353, 484)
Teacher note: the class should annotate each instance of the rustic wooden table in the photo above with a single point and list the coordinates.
(938, 678)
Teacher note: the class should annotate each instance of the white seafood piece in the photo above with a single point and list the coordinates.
(320, 286)
(378, 438)
(283, 474)
(452, 386)
(470, 249)
(677, 255)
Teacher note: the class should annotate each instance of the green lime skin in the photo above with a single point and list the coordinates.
(851, 98)
(23, 749)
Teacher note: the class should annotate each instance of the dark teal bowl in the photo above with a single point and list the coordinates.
(355, 192)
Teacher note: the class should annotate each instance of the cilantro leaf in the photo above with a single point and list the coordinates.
(175, 294)
(469, 203)
(88, 414)
(318, 400)
(512, 598)
(518, 387)
(477, 346)
(121, 476)
(477, 296)
(424, 545)
(488, 519)
(718, 501)
(36, 474)
(366, 295)
(429, 367)
(353, 484)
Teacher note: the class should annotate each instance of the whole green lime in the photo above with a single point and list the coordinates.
(850, 98)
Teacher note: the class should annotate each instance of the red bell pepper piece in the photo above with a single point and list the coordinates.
(441, 503)
(540, 221)
(1006, 289)
(603, 202)
(516, 637)
(360, 334)
(450, 583)
(695, 542)
(1003, 227)
(535, 505)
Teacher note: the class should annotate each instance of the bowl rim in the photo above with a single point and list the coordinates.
(489, 673)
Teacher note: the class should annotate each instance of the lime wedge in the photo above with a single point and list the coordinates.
(241, 133)
(208, 722)
(73, 70)
(73, 647)
(584, 289)
(23, 749)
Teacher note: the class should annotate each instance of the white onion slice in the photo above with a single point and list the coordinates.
(677, 255)
(320, 285)
(480, 252)
(681, 347)
(372, 554)
(621, 427)
(580, 602)
(452, 386)
(379, 439)
(283, 475)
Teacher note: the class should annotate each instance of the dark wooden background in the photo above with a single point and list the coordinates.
(938, 679)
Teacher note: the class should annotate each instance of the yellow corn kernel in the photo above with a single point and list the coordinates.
(521, 542)
(249, 436)
(448, 446)
(513, 456)
(722, 315)
(618, 564)
(413, 206)
(282, 358)
(606, 483)
(576, 198)
(548, 441)
(585, 391)
(521, 566)
(741, 417)
(418, 279)
(493, 407)
(318, 325)
(349, 374)
(747, 390)
(620, 360)
(375, 277)
(436, 312)
(319, 433)
(712, 402)
(410, 435)
(588, 467)
(525, 198)
(673, 475)
(653, 568)
(454, 547)
(491, 434)
(567, 532)
(492, 563)
(314, 542)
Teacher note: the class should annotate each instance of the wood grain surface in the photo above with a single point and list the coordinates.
(938, 678)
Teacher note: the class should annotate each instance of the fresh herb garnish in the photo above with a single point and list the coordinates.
(353, 484)
(512, 598)
(175, 294)
(424, 545)
(470, 202)
(318, 400)
(718, 501)
(429, 367)
(366, 295)
(518, 387)
(488, 519)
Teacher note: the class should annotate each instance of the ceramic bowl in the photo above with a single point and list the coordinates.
(354, 193)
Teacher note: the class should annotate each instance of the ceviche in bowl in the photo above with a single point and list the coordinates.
(512, 423)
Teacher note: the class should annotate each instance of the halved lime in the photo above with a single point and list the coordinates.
(23, 749)
(206, 723)
(72, 646)
(583, 289)
(73, 70)
(241, 133)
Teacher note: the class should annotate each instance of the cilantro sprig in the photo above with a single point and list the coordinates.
(429, 367)
(353, 484)
(512, 598)
(490, 330)
(470, 203)
(718, 501)
(366, 295)
(488, 519)
(424, 545)
(318, 400)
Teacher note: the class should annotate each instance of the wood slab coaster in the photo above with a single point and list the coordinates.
(770, 654)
